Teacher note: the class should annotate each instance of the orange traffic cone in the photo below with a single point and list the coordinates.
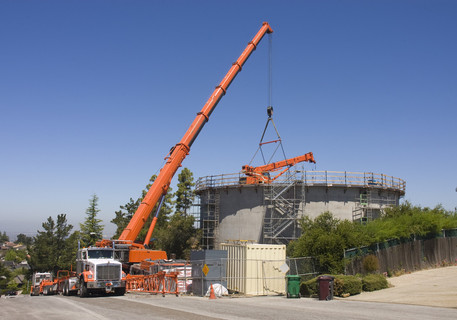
(211, 293)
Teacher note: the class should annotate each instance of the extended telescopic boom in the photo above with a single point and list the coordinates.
(181, 149)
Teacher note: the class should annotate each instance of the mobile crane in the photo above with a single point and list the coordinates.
(261, 174)
(127, 250)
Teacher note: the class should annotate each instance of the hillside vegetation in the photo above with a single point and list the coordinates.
(326, 237)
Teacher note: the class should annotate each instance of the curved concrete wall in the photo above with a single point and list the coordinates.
(242, 209)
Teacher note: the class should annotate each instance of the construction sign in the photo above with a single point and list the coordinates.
(205, 269)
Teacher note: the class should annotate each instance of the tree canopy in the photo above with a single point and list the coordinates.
(126, 212)
(23, 239)
(174, 231)
(53, 248)
(4, 237)
(185, 194)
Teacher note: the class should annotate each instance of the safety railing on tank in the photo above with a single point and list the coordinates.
(311, 178)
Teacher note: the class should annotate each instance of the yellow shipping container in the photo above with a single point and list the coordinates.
(254, 269)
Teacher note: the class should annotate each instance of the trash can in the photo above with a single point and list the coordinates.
(293, 286)
(325, 287)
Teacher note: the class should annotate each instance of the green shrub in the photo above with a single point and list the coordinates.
(370, 263)
(341, 285)
(374, 282)
(347, 284)
(309, 288)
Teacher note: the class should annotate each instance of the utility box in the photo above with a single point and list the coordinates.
(208, 267)
(255, 269)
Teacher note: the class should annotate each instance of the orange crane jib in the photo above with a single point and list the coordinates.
(181, 150)
(262, 174)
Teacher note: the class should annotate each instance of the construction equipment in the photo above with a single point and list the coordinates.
(40, 280)
(127, 250)
(96, 272)
(262, 174)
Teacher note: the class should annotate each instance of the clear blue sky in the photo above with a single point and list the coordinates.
(94, 93)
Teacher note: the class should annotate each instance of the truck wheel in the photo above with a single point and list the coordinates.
(119, 291)
(65, 289)
(82, 289)
(35, 292)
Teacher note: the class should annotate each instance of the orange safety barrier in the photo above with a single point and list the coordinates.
(160, 282)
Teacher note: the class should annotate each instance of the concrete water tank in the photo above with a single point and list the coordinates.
(269, 213)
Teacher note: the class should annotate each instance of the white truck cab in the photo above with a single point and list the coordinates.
(97, 272)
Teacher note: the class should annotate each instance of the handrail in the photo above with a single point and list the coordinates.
(312, 178)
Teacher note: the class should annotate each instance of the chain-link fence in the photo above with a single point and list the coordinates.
(238, 276)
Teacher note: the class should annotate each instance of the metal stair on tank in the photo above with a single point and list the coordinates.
(283, 206)
(211, 219)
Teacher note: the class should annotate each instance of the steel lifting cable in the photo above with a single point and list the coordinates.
(269, 110)
(270, 69)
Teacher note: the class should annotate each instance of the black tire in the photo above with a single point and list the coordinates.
(36, 291)
(65, 289)
(119, 291)
(82, 288)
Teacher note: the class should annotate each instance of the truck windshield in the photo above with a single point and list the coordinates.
(100, 254)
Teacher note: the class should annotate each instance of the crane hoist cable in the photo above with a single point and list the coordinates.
(269, 111)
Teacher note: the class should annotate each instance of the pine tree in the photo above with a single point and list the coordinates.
(23, 239)
(4, 237)
(180, 236)
(53, 248)
(124, 215)
(185, 194)
(127, 211)
(91, 229)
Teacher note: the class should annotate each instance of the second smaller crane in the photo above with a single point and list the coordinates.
(262, 174)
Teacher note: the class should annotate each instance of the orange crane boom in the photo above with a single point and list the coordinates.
(177, 154)
(261, 174)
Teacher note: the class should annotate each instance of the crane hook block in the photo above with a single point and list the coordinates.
(270, 111)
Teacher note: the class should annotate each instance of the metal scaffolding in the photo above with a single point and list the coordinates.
(284, 205)
(210, 218)
(370, 205)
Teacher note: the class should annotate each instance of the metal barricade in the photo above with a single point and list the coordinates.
(159, 283)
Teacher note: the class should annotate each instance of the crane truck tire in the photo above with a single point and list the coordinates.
(65, 289)
(119, 291)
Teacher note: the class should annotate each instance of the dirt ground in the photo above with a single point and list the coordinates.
(433, 287)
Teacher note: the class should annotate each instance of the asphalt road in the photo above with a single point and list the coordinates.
(142, 306)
